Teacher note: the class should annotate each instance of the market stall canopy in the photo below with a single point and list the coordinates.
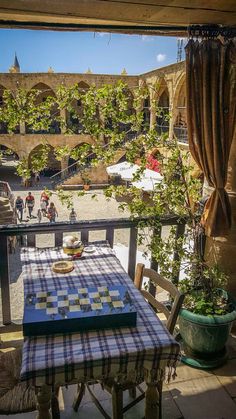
(127, 16)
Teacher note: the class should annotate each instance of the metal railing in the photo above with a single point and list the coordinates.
(75, 167)
(181, 134)
(84, 227)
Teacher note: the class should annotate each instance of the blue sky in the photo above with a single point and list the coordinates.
(74, 52)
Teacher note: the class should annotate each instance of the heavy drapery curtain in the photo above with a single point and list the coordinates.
(211, 116)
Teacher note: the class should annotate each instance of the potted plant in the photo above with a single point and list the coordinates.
(86, 181)
(209, 310)
(207, 315)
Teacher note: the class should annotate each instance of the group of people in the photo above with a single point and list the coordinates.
(46, 209)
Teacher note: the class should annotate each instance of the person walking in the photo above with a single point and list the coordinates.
(36, 178)
(39, 215)
(29, 203)
(19, 206)
(45, 197)
(52, 213)
(72, 216)
(43, 207)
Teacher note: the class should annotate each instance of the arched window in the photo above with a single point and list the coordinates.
(74, 118)
(82, 150)
(53, 127)
(53, 166)
(3, 124)
(162, 118)
(180, 125)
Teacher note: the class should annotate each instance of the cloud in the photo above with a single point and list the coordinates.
(103, 33)
(147, 38)
(161, 57)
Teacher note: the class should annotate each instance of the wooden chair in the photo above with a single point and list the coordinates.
(16, 396)
(171, 315)
(177, 297)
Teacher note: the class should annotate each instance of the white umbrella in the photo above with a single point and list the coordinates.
(147, 185)
(151, 174)
(117, 169)
(146, 175)
(129, 173)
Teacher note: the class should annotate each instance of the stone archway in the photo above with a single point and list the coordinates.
(84, 147)
(3, 125)
(54, 127)
(146, 113)
(74, 119)
(162, 109)
(8, 151)
(53, 165)
(180, 117)
(8, 163)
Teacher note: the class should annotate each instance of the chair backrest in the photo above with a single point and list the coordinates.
(158, 280)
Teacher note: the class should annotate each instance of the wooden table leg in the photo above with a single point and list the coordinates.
(44, 402)
(117, 402)
(152, 402)
(79, 396)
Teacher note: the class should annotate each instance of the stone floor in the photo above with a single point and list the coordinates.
(194, 394)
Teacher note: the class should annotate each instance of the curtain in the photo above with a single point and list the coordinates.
(211, 117)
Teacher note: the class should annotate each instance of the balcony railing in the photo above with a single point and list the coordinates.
(181, 134)
(30, 232)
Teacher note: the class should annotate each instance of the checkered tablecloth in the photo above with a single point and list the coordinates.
(146, 351)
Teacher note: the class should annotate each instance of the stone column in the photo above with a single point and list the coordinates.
(64, 163)
(63, 116)
(222, 250)
(152, 108)
(169, 83)
(22, 128)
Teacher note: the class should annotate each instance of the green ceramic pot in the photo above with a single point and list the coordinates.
(205, 336)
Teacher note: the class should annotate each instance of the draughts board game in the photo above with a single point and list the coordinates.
(73, 310)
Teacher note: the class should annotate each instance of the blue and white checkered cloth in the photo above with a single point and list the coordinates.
(146, 351)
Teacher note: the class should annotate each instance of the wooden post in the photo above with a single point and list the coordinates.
(31, 240)
(152, 402)
(4, 280)
(179, 233)
(110, 236)
(44, 402)
(132, 251)
(154, 263)
(117, 402)
(58, 238)
(85, 236)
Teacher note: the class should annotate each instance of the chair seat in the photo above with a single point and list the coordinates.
(15, 396)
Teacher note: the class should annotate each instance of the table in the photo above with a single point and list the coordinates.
(146, 351)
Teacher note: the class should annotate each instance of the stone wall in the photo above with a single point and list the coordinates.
(169, 79)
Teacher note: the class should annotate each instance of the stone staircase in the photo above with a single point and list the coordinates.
(75, 170)
(6, 204)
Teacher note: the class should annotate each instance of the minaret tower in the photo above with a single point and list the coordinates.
(15, 68)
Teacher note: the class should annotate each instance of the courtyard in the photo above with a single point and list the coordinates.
(192, 104)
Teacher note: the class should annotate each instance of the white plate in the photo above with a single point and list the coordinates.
(89, 249)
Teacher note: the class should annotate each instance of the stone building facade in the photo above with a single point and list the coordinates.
(166, 87)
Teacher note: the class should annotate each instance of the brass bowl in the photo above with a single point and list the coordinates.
(62, 266)
(73, 250)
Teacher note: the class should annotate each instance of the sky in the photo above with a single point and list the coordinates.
(75, 52)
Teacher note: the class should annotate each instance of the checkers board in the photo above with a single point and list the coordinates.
(78, 309)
